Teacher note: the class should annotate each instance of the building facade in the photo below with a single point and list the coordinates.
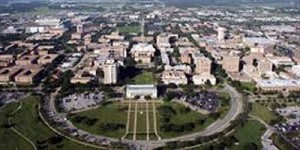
(110, 70)
(141, 90)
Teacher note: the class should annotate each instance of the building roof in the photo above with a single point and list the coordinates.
(278, 83)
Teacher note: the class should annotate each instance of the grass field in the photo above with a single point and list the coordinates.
(109, 113)
(10, 140)
(262, 112)
(182, 117)
(248, 86)
(251, 132)
(129, 29)
(142, 119)
(27, 122)
(144, 78)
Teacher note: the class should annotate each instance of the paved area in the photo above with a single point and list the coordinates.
(9, 97)
(81, 101)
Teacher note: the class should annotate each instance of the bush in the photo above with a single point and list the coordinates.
(112, 126)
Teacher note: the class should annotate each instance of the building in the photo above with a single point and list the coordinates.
(175, 77)
(203, 65)
(185, 58)
(143, 53)
(204, 79)
(8, 74)
(47, 59)
(6, 60)
(185, 68)
(141, 90)
(27, 60)
(84, 76)
(231, 63)
(28, 76)
(296, 70)
(278, 60)
(110, 70)
(79, 28)
(221, 34)
(279, 85)
(264, 66)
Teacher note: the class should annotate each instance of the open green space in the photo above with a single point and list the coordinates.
(129, 29)
(108, 120)
(280, 143)
(251, 132)
(9, 139)
(262, 112)
(182, 121)
(143, 78)
(41, 11)
(225, 103)
(172, 119)
(26, 120)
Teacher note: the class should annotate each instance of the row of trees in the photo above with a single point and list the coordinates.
(84, 120)
(112, 126)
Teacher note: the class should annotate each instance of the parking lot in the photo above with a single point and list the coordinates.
(292, 116)
(207, 101)
(81, 101)
(8, 97)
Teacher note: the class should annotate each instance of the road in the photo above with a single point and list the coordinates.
(218, 126)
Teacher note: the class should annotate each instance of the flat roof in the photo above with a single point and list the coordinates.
(279, 82)
(141, 86)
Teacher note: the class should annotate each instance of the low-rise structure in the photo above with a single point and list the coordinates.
(141, 90)
(28, 76)
(204, 79)
(143, 53)
(7, 74)
(176, 77)
(279, 85)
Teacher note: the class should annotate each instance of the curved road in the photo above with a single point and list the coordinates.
(218, 126)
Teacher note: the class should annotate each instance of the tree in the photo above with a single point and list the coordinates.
(250, 146)
(172, 86)
(157, 61)
(147, 97)
(137, 97)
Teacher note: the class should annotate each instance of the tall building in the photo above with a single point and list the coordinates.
(231, 63)
(221, 34)
(79, 28)
(203, 65)
(110, 70)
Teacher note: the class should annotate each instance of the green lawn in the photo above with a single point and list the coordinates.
(225, 103)
(182, 117)
(249, 86)
(144, 78)
(251, 132)
(262, 112)
(280, 143)
(129, 29)
(109, 113)
(28, 123)
(10, 140)
(116, 113)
